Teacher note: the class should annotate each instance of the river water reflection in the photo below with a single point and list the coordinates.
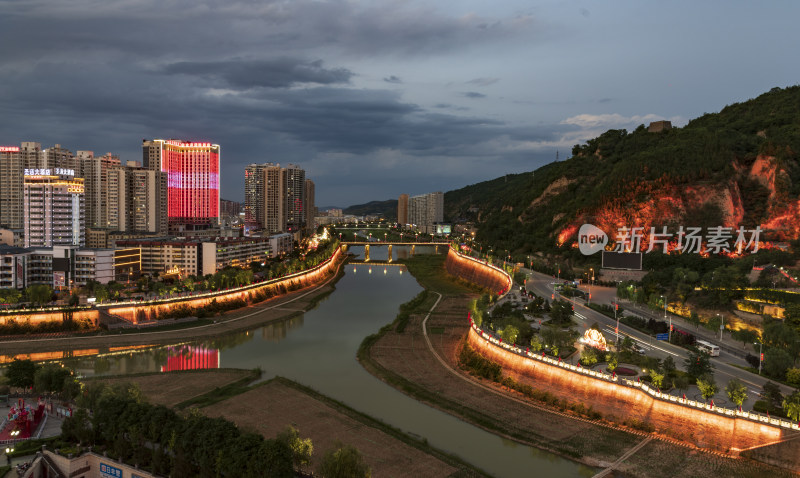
(318, 349)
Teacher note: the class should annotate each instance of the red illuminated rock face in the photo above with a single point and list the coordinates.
(476, 272)
(661, 202)
(620, 403)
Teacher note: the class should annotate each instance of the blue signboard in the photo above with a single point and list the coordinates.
(662, 336)
(108, 471)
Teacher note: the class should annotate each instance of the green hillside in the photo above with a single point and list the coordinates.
(736, 167)
(387, 209)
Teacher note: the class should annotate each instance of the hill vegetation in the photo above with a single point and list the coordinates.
(736, 167)
(387, 209)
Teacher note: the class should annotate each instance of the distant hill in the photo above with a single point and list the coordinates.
(387, 209)
(736, 167)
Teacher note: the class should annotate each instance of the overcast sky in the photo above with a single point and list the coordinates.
(376, 99)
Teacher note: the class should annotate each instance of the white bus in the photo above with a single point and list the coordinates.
(707, 347)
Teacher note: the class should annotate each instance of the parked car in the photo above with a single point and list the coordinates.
(638, 349)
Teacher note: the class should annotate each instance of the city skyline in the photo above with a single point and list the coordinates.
(375, 99)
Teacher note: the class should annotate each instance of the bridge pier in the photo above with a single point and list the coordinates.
(390, 253)
(366, 253)
(413, 246)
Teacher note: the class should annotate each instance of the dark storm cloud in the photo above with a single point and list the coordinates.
(154, 29)
(103, 75)
(276, 73)
(473, 95)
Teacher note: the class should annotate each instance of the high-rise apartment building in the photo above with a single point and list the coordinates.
(274, 200)
(402, 210)
(11, 169)
(13, 161)
(426, 210)
(278, 199)
(254, 194)
(192, 179)
(310, 209)
(294, 179)
(53, 207)
(94, 171)
(137, 200)
(57, 157)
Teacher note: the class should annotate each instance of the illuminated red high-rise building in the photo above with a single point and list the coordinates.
(192, 179)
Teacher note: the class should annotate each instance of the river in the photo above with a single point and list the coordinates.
(318, 349)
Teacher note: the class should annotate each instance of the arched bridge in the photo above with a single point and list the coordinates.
(389, 244)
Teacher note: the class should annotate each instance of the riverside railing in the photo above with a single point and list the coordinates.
(229, 290)
(613, 378)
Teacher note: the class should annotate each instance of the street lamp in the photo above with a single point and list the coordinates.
(721, 325)
(590, 277)
(669, 337)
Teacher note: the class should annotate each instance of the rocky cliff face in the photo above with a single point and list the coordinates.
(659, 203)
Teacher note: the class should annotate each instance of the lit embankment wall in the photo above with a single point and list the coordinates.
(694, 422)
(138, 312)
(47, 315)
(477, 272)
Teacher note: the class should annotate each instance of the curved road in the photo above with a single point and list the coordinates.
(541, 285)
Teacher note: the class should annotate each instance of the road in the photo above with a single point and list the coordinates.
(724, 369)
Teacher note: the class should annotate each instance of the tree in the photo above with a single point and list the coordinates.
(745, 336)
(50, 378)
(793, 377)
(656, 378)
(681, 382)
(613, 361)
(536, 344)
(101, 293)
(509, 334)
(776, 363)
(10, 296)
(627, 343)
(344, 462)
(668, 366)
(21, 373)
(302, 448)
(791, 405)
(707, 385)
(39, 294)
(736, 391)
(698, 364)
(771, 393)
(588, 356)
(561, 311)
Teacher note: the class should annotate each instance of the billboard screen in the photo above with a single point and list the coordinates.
(61, 264)
(622, 260)
(443, 229)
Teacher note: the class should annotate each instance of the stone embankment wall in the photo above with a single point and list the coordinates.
(621, 403)
(477, 272)
(141, 312)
